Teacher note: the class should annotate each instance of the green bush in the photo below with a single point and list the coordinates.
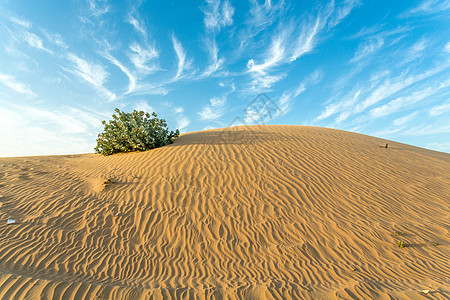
(135, 131)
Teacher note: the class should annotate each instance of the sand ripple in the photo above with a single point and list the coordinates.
(259, 212)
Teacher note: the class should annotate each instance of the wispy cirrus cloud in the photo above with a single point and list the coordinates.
(93, 73)
(342, 11)
(139, 26)
(214, 110)
(447, 47)
(215, 63)
(21, 22)
(136, 77)
(366, 48)
(344, 106)
(287, 99)
(439, 109)
(218, 14)
(307, 38)
(367, 95)
(55, 38)
(143, 57)
(264, 82)
(98, 7)
(35, 41)
(392, 86)
(293, 40)
(428, 7)
(416, 50)
(428, 129)
(260, 17)
(183, 62)
(407, 101)
(23, 33)
(11, 82)
(405, 119)
(264, 14)
(131, 77)
(276, 54)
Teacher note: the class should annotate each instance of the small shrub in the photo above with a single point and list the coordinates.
(401, 244)
(436, 244)
(135, 131)
(398, 233)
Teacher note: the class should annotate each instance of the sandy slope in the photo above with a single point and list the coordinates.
(248, 212)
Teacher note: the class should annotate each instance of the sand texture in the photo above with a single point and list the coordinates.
(258, 212)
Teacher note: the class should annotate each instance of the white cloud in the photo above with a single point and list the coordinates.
(418, 47)
(15, 85)
(143, 105)
(447, 47)
(35, 41)
(214, 110)
(131, 77)
(443, 147)
(183, 63)
(406, 101)
(367, 48)
(263, 15)
(439, 109)
(55, 38)
(405, 119)
(415, 52)
(307, 38)
(344, 104)
(264, 82)
(183, 122)
(138, 26)
(93, 73)
(429, 129)
(300, 89)
(392, 86)
(21, 22)
(260, 17)
(218, 14)
(375, 77)
(274, 56)
(96, 9)
(149, 89)
(215, 63)
(141, 57)
(429, 7)
(286, 100)
(40, 131)
(343, 11)
(289, 43)
(285, 103)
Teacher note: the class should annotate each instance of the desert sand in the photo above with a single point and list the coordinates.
(254, 212)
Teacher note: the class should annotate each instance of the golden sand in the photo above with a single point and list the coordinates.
(259, 212)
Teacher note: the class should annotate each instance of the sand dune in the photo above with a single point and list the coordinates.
(258, 212)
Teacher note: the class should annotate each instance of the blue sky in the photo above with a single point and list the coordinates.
(380, 68)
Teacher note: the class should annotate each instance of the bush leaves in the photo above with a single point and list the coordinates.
(135, 131)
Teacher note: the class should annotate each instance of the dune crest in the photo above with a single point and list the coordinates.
(256, 212)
